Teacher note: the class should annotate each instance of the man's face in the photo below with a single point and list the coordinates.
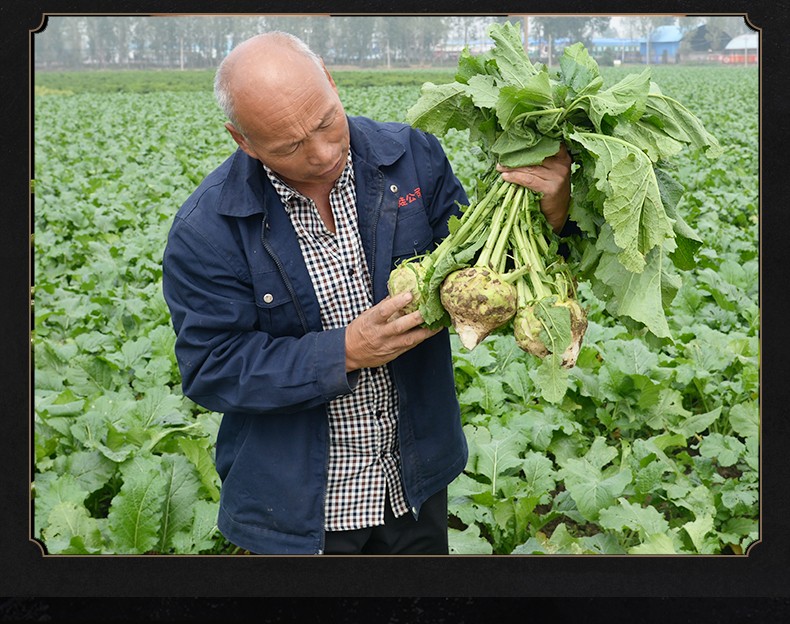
(300, 130)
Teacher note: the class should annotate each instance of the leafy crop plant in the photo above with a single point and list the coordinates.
(630, 238)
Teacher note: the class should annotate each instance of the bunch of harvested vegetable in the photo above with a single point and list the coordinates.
(623, 200)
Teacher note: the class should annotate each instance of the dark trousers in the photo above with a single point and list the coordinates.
(397, 536)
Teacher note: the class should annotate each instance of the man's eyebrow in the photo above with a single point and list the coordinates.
(286, 143)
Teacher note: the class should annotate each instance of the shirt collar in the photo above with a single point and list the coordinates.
(287, 192)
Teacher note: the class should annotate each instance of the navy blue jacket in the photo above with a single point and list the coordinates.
(250, 342)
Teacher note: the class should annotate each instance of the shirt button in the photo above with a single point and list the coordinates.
(268, 298)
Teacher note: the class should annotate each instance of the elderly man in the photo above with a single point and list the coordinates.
(341, 427)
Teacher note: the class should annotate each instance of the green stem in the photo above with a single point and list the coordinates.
(572, 106)
(545, 111)
(562, 286)
(523, 293)
(498, 257)
(469, 221)
(517, 274)
(485, 258)
(533, 260)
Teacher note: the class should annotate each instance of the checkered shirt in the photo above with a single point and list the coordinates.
(364, 458)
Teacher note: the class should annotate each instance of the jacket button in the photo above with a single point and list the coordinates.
(268, 298)
(394, 188)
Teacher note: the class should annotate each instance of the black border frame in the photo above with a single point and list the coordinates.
(765, 571)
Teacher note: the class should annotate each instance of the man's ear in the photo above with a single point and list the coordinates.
(240, 139)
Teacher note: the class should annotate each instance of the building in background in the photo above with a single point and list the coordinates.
(662, 46)
(741, 50)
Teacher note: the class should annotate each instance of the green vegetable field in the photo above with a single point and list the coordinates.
(653, 447)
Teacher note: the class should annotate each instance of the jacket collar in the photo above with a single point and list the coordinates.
(246, 189)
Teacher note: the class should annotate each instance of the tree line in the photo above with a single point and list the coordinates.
(200, 41)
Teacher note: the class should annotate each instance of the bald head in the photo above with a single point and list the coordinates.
(284, 110)
(265, 63)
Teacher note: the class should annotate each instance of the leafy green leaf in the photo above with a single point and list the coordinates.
(135, 516)
(697, 423)
(649, 478)
(633, 207)
(698, 528)
(197, 452)
(90, 469)
(511, 60)
(739, 497)
(579, 70)
(639, 296)
(561, 542)
(492, 451)
(181, 492)
(727, 450)
(656, 544)
(516, 104)
(745, 419)
(483, 91)
(627, 98)
(592, 488)
(90, 375)
(646, 521)
(556, 324)
(539, 474)
(51, 489)
(551, 378)
(687, 240)
(487, 393)
(520, 147)
(160, 407)
(468, 542)
(441, 107)
(676, 120)
(71, 530)
(202, 530)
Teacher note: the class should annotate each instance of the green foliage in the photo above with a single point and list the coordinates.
(654, 447)
(620, 137)
(665, 437)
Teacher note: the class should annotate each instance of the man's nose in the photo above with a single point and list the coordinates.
(320, 152)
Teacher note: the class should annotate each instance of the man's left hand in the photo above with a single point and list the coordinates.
(552, 178)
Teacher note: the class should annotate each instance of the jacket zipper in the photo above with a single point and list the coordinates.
(286, 279)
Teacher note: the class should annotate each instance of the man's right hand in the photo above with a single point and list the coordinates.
(380, 334)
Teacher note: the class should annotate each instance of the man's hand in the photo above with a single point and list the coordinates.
(380, 334)
(552, 178)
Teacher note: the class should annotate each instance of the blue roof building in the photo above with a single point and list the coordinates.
(664, 45)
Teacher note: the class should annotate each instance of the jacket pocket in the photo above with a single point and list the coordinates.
(413, 233)
(276, 308)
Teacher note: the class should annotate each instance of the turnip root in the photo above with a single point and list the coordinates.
(479, 301)
(408, 276)
(526, 330)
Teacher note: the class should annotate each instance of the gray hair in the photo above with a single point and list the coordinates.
(222, 91)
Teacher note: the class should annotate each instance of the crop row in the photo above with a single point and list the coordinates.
(653, 450)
